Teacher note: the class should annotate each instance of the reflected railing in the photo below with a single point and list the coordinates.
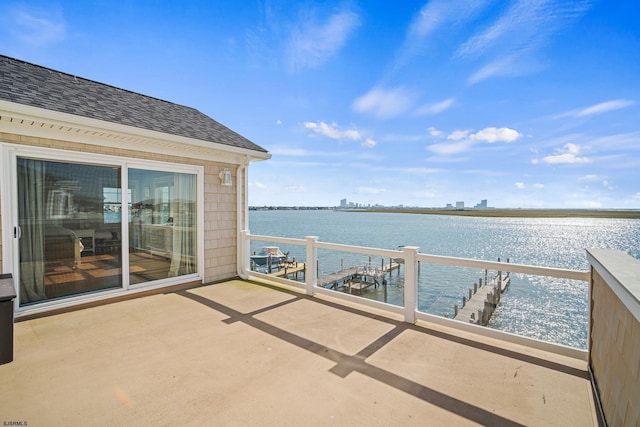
(445, 290)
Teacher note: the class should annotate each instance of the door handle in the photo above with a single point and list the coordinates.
(17, 232)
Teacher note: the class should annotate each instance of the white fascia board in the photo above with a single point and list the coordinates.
(43, 123)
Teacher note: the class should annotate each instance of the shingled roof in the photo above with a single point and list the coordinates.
(37, 86)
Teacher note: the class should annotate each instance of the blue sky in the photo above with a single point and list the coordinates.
(526, 103)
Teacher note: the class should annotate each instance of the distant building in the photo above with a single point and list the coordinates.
(482, 204)
(449, 206)
(459, 205)
(343, 203)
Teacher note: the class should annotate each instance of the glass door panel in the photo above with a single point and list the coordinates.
(70, 229)
(162, 225)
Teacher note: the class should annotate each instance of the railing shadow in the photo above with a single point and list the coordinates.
(346, 364)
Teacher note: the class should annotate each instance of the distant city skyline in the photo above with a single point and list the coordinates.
(483, 204)
(531, 103)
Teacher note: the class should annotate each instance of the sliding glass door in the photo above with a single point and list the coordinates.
(84, 228)
(162, 232)
(64, 221)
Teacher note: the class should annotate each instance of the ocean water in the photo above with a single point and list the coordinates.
(544, 308)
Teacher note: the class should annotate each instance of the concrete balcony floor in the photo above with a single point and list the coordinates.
(250, 353)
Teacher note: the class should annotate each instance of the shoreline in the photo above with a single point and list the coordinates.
(515, 213)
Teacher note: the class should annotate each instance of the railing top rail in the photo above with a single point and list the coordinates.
(288, 240)
(505, 266)
(439, 259)
(359, 249)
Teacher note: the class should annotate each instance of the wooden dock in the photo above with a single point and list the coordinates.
(289, 269)
(357, 279)
(479, 305)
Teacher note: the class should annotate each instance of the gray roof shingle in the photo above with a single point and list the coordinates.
(37, 86)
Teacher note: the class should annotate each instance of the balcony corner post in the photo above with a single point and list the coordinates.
(311, 273)
(244, 254)
(410, 283)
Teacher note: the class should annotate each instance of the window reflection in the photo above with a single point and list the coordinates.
(67, 245)
(162, 230)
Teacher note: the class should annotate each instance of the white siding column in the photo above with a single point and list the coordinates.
(410, 282)
(311, 272)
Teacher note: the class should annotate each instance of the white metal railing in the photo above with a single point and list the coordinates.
(411, 258)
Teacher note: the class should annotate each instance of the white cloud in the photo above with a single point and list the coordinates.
(589, 178)
(520, 30)
(492, 134)
(603, 107)
(621, 141)
(312, 42)
(520, 185)
(446, 148)
(439, 107)
(438, 13)
(295, 189)
(37, 27)
(431, 16)
(369, 143)
(538, 186)
(464, 139)
(458, 134)
(526, 25)
(384, 103)
(436, 16)
(333, 131)
(569, 154)
(499, 67)
(435, 132)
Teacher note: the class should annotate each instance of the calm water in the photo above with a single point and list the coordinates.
(539, 307)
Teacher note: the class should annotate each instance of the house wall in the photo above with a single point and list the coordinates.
(220, 217)
(615, 335)
(1, 225)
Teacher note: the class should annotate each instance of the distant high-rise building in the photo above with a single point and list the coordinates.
(343, 203)
(482, 204)
(459, 205)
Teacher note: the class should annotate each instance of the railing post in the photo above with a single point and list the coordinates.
(311, 275)
(410, 283)
(245, 251)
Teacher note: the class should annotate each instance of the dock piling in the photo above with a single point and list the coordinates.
(483, 299)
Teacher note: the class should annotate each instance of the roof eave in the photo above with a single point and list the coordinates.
(43, 123)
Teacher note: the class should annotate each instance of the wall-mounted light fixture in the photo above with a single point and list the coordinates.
(225, 178)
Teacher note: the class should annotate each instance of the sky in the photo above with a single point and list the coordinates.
(528, 104)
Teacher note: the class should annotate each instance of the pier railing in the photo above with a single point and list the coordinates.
(410, 258)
